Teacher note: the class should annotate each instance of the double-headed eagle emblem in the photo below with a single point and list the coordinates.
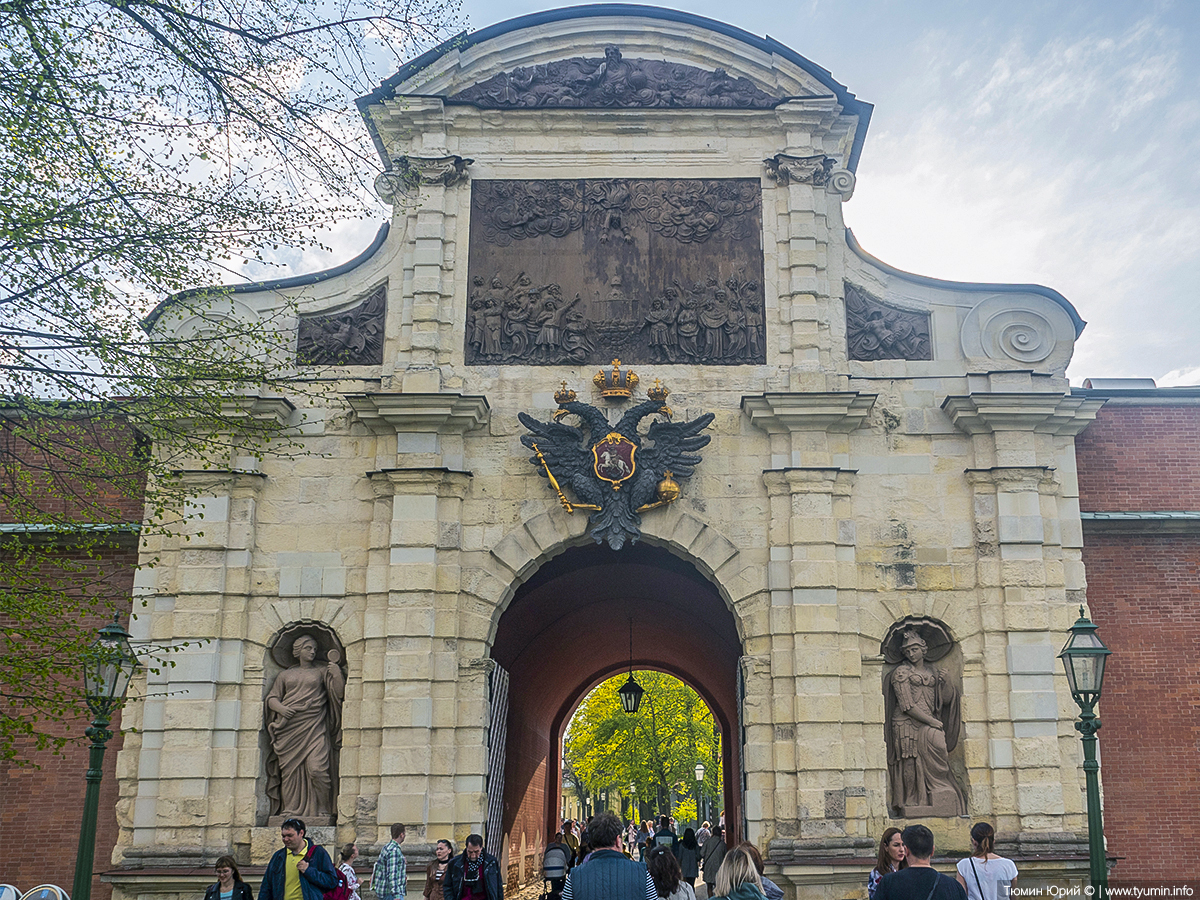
(614, 470)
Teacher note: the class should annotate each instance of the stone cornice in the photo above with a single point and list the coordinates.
(781, 413)
(235, 482)
(444, 413)
(274, 409)
(1020, 477)
(809, 480)
(421, 480)
(1061, 414)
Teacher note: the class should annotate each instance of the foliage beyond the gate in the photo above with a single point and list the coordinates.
(655, 750)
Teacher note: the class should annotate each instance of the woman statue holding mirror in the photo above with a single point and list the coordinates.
(304, 722)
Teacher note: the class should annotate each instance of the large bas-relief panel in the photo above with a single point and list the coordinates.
(585, 271)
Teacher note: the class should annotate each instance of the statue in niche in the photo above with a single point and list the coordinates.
(923, 721)
(303, 718)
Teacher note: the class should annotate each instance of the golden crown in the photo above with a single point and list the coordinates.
(616, 383)
(659, 392)
(564, 395)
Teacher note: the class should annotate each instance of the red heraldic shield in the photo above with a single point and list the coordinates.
(613, 459)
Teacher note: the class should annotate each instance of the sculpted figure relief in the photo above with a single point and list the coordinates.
(922, 729)
(590, 270)
(876, 330)
(614, 82)
(304, 721)
(352, 337)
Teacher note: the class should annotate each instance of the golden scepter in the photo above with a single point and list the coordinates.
(562, 498)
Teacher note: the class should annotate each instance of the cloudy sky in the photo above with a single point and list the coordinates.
(1024, 141)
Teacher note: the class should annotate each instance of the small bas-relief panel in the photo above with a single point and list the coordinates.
(877, 330)
(585, 271)
(347, 337)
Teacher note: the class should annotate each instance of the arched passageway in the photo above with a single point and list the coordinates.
(567, 629)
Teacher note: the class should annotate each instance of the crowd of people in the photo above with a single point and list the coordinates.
(609, 860)
(656, 863)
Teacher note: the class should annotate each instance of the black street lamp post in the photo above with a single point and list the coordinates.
(107, 673)
(701, 794)
(1083, 658)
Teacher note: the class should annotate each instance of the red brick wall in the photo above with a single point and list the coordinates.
(1140, 459)
(1144, 593)
(47, 476)
(525, 797)
(40, 807)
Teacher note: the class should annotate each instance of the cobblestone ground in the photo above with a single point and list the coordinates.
(534, 890)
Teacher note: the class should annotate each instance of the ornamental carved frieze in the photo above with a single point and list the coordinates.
(877, 330)
(613, 82)
(584, 271)
(347, 337)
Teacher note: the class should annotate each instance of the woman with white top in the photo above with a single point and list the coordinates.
(349, 854)
(985, 875)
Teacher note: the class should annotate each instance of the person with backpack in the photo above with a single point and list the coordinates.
(473, 875)
(300, 870)
(985, 875)
(349, 854)
(713, 854)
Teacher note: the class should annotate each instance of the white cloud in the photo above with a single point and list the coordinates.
(1179, 377)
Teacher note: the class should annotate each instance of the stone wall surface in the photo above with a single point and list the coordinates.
(836, 498)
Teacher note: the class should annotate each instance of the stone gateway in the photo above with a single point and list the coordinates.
(857, 521)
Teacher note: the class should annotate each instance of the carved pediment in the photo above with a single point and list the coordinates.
(612, 82)
(348, 337)
(877, 330)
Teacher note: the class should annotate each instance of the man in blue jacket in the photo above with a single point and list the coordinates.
(608, 874)
(295, 873)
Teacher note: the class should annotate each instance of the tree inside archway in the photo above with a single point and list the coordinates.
(644, 762)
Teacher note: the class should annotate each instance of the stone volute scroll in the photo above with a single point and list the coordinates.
(922, 720)
(303, 722)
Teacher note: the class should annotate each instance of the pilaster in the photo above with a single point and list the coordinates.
(811, 579)
(427, 184)
(411, 634)
(1022, 569)
(195, 760)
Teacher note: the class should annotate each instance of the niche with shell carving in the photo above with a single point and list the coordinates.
(304, 687)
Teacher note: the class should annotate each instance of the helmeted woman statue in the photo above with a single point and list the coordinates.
(923, 722)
